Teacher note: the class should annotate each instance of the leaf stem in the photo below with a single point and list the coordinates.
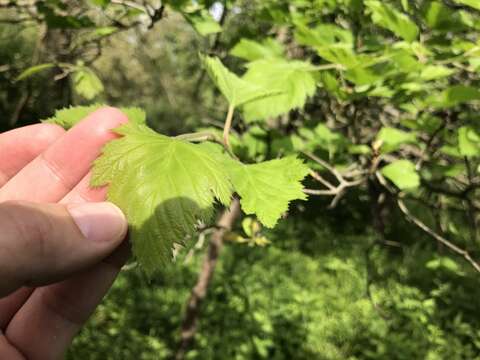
(227, 126)
(198, 137)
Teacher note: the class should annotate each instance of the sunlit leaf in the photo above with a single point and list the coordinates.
(163, 185)
(87, 83)
(236, 90)
(293, 81)
(402, 173)
(267, 188)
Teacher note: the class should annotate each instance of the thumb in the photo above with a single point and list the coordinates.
(45, 243)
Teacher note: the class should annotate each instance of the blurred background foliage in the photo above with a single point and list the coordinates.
(381, 266)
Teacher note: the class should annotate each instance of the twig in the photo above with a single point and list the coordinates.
(336, 191)
(228, 125)
(466, 255)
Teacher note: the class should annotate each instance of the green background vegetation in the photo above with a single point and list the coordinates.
(394, 109)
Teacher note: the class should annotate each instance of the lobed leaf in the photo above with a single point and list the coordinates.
(293, 81)
(164, 185)
(389, 18)
(87, 83)
(468, 141)
(237, 91)
(202, 22)
(402, 173)
(252, 50)
(393, 138)
(69, 117)
(267, 188)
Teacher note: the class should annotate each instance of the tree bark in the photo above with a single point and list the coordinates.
(199, 291)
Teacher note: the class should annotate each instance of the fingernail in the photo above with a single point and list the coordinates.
(99, 222)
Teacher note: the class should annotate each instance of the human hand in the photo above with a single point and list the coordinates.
(57, 236)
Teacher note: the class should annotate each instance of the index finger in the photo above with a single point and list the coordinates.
(57, 170)
(20, 146)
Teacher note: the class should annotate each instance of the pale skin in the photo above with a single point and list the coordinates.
(52, 273)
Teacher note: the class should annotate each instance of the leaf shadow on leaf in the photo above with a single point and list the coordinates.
(154, 246)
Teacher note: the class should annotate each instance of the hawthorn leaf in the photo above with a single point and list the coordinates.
(293, 80)
(472, 3)
(165, 187)
(453, 95)
(434, 72)
(237, 91)
(34, 70)
(468, 141)
(402, 173)
(388, 17)
(393, 138)
(69, 117)
(323, 35)
(252, 50)
(267, 188)
(202, 22)
(87, 83)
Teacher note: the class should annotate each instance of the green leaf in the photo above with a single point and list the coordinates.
(69, 117)
(326, 139)
(393, 138)
(441, 17)
(468, 141)
(164, 186)
(472, 3)
(402, 173)
(87, 83)
(202, 22)
(434, 72)
(104, 31)
(102, 3)
(292, 80)
(252, 50)
(237, 91)
(323, 35)
(389, 18)
(454, 95)
(267, 188)
(34, 70)
(135, 114)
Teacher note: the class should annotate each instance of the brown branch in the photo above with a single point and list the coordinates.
(466, 255)
(199, 291)
(336, 191)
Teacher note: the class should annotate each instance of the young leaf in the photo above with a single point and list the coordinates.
(237, 91)
(393, 138)
(389, 18)
(164, 185)
(402, 173)
(293, 80)
(472, 3)
(87, 83)
(252, 50)
(33, 70)
(468, 141)
(69, 117)
(454, 95)
(202, 22)
(434, 72)
(267, 188)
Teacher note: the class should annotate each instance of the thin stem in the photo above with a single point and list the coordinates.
(328, 67)
(227, 127)
(198, 137)
(436, 236)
